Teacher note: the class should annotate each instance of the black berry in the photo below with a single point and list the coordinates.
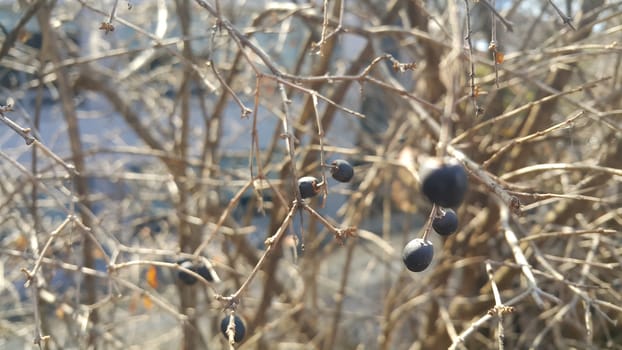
(240, 329)
(417, 254)
(341, 170)
(446, 223)
(204, 272)
(200, 269)
(308, 186)
(183, 275)
(446, 186)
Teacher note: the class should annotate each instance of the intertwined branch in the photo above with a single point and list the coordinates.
(181, 136)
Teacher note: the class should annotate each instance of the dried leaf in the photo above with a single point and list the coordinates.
(152, 276)
(106, 27)
(147, 302)
(499, 57)
(60, 313)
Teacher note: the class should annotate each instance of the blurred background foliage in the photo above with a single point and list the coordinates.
(160, 135)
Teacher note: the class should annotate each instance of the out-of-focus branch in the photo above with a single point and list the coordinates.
(11, 37)
(519, 256)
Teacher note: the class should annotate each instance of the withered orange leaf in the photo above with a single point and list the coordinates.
(60, 313)
(499, 57)
(147, 302)
(152, 276)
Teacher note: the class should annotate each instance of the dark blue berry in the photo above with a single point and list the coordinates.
(308, 186)
(446, 223)
(446, 186)
(204, 272)
(341, 170)
(418, 254)
(240, 329)
(183, 275)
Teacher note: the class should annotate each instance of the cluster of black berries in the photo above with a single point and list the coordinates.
(203, 271)
(308, 186)
(445, 186)
(341, 171)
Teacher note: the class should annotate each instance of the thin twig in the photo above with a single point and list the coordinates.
(519, 256)
(487, 179)
(288, 134)
(508, 25)
(528, 170)
(113, 12)
(160, 301)
(340, 233)
(483, 319)
(245, 110)
(493, 46)
(223, 216)
(324, 36)
(561, 234)
(565, 18)
(113, 268)
(428, 224)
(231, 329)
(499, 309)
(566, 123)
(254, 152)
(23, 132)
(320, 134)
(39, 339)
(108, 27)
(574, 287)
(270, 242)
(473, 94)
(30, 274)
(524, 107)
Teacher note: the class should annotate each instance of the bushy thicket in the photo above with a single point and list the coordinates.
(151, 154)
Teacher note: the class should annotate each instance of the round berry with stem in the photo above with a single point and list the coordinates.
(445, 185)
(308, 186)
(445, 222)
(237, 326)
(341, 170)
(418, 254)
